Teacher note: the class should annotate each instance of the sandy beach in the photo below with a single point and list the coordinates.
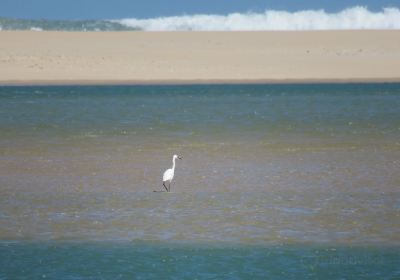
(28, 57)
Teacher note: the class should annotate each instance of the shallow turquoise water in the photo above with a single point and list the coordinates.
(277, 181)
(105, 260)
(196, 112)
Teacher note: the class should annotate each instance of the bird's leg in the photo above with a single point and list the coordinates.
(169, 186)
(165, 186)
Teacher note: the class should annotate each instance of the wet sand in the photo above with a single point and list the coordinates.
(28, 57)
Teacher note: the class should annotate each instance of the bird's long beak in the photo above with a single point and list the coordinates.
(180, 157)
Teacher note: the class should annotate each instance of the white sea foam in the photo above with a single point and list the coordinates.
(351, 18)
(36, 29)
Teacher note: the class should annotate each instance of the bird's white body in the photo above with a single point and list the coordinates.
(169, 174)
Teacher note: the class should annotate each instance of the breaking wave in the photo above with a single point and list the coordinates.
(351, 18)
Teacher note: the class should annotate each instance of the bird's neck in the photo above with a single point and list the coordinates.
(173, 163)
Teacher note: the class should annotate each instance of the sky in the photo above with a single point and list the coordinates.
(116, 9)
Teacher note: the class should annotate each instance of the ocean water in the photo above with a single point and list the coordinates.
(276, 181)
(61, 25)
(353, 18)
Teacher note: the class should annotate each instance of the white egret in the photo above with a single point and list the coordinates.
(169, 174)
